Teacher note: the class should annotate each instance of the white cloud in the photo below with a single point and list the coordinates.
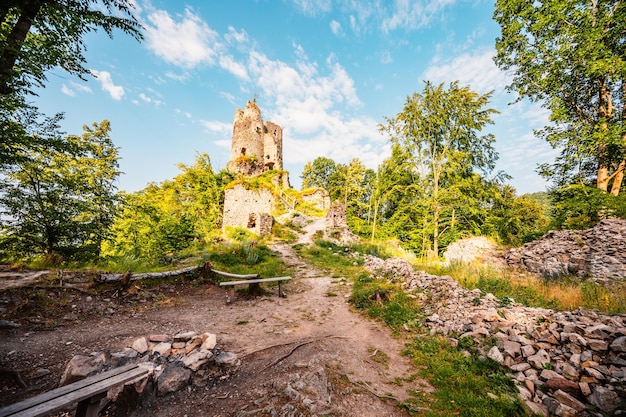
(237, 69)
(236, 37)
(104, 77)
(335, 27)
(73, 88)
(478, 71)
(186, 43)
(217, 127)
(385, 57)
(317, 108)
(151, 100)
(67, 91)
(229, 97)
(410, 14)
(313, 7)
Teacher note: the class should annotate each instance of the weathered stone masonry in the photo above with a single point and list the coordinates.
(256, 146)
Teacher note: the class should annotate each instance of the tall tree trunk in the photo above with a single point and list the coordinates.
(13, 44)
(618, 178)
(604, 112)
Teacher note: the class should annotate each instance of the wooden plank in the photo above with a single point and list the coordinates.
(58, 398)
(255, 281)
(229, 275)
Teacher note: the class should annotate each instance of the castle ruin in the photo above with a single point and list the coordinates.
(256, 146)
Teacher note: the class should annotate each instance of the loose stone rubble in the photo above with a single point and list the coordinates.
(565, 363)
(598, 253)
(173, 361)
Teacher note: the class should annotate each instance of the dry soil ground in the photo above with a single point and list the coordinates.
(306, 354)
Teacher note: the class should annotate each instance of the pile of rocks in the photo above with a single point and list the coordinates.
(173, 362)
(566, 363)
(599, 253)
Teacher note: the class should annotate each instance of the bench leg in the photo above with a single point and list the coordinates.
(89, 407)
(230, 295)
(280, 289)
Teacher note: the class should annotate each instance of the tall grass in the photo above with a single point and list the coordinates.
(567, 293)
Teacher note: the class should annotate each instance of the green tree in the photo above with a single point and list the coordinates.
(37, 35)
(170, 216)
(318, 173)
(570, 55)
(439, 133)
(96, 169)
(58, 203)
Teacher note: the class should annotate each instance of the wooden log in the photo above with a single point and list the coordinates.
(203, 268)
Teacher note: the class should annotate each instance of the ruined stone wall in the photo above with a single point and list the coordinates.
(598, 253)
(273, 146)
(256, 146)
(248, 132)
(248, 209)
(319, 198)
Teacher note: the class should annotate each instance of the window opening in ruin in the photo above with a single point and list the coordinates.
(251, 221)
(268, 157)
(243, 151)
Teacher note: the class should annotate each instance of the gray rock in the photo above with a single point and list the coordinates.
(172, 379)
(539, 359)
(140, 345)
(568, 400)
(163, 349)
(80, 367)
(604, 399)
(619, 344)
(494, 354)
(226, 359)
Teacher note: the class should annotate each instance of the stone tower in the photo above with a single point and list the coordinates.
(256, 146)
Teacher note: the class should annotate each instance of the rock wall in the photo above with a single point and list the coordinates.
(256, 146)
(569, 363)
(248, 209)
(318, 198)
(337, 226)
(598, 253)
(173, 363)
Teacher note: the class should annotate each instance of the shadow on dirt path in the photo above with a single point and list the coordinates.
(307, 354)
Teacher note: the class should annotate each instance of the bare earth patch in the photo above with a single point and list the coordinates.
(307, 354)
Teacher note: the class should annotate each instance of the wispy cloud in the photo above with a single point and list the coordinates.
(476, 70)
(317, 105)
(151, 100)
(185, 41)
(238, 69)
(216, 126)
(105, 80)
(335, 27)
(411, 15)
(74, 88)
(236, 37)
(313, 7)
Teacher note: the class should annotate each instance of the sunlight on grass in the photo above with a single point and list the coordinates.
(566, 293)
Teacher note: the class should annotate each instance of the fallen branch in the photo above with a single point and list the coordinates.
(129, 276)
(299, 345)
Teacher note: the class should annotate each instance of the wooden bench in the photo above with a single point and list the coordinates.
(252, 282)
(87, 393)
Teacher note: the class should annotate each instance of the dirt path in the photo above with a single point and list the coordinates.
(306, 354)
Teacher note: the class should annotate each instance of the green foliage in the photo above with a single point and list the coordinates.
(570, 56)
(169, 217)
(36, 36)
(462, 383)
(245, 258)
(582, 207)
(438, 144)
(60, 202)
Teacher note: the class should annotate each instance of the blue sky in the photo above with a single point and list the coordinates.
(327, 71)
